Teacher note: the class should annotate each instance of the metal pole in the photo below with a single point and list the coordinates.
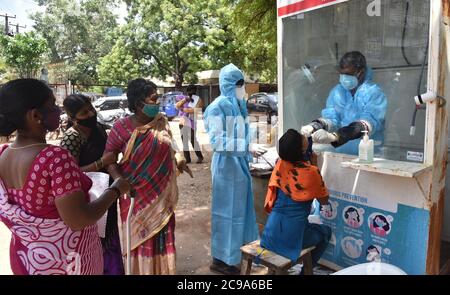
(17, 27)
(6, 16)
(69, 88)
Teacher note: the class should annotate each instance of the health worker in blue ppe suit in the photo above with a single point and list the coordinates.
(355, 105)
(233, 220)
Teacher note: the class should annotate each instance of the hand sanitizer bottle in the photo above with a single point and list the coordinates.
(366, 149)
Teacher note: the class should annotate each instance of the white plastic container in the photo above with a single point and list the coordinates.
(371, 268)
(366, 147)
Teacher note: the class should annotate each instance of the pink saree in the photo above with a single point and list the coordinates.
(42, 244)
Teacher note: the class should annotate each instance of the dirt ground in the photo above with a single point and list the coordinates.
(193, 220)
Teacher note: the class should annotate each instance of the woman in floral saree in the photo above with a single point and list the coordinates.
(150, 164)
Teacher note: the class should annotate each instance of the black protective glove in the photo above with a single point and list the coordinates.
(350, 132)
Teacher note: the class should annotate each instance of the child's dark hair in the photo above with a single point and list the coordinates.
(17, 97)
(386, 227)
(290, 146)
(137, 91)
(349, 210)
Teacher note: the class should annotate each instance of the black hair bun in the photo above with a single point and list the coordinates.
(6, 127)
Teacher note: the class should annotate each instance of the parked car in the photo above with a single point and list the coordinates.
(263, 103)
(111, 108)
(167, 103)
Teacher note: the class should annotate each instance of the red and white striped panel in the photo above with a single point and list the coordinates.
(289, 7)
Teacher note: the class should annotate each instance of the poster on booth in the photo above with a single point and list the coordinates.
(290, 7)
(363, 233)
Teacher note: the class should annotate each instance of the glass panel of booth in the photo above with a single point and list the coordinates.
(394, 40)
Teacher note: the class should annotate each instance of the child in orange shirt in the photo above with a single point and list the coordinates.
(293, 186)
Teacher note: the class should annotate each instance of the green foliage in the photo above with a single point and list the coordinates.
(121, 66)
(162, 38)
(78, 33)
(255, 27)
(171, 38)
(23, 53)
(223, 46)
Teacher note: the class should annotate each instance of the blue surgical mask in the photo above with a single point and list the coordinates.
(349, 82)
(151, 110)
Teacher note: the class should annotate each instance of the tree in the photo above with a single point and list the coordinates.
(177, 38)
(170, 38)
(78, 33)
(222, 46)
(23, 53)
(121, 66)
(168, 35)
(255, 26)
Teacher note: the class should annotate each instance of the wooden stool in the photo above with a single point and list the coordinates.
(277, 264)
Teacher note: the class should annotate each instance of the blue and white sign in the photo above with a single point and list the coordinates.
(363, 234)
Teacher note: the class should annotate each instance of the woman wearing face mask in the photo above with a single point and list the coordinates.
(86, 141)
(355, 105)
(44, 198)
(86, 138)
(151, 163)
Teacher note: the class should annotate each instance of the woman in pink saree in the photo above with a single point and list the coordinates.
(151, 165)
(44, 196)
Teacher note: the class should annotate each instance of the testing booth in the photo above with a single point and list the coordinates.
(393, 209)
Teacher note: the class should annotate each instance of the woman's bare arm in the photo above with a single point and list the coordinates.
(78, 214)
